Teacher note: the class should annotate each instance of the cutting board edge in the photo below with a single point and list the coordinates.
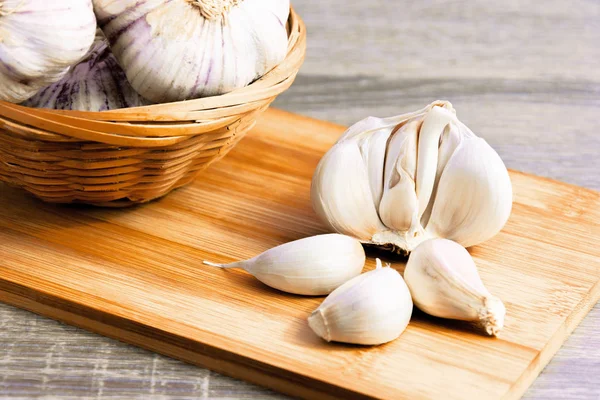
(278, 379)
(571, 322)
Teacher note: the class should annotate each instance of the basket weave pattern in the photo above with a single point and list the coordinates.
(134, 155)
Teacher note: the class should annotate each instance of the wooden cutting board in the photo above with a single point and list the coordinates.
(137, 275)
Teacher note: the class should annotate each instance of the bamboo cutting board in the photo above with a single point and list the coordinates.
(137, 275)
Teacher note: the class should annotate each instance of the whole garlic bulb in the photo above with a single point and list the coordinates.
(398, 181)
(444, 282)
(314, 265)
(183, 49)
(96, 83)
(40, 40)
(372, 308)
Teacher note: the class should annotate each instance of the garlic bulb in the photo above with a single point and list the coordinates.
(40, 40)
(311, 266)
(398, 181)
(444, 282)
(96, 83)
(183, 49)
(372, 308)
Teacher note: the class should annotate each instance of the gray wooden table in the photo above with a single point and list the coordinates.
(525, 75)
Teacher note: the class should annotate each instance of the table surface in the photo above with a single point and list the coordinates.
(524, 75)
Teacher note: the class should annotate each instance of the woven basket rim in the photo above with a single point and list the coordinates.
(133, 155)
(245, 99)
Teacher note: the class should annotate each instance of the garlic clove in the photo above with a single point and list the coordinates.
(370, 309)
(372, 149)
(398, 208)
(444, 282)
(341, 194)
(474, 195)
(399, 205)
(432, 128)
(314, 265)
(449, 141)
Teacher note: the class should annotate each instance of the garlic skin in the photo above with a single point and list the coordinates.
(311, 266)
(40, 40)
(174, 50)
(359, 220)
(395, 182)
(96, 83)
(444, 282)
(372, 308)
(482, 206)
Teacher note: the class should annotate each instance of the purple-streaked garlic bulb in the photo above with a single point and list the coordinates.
(96, 83)
(175, 50)
(39, 41)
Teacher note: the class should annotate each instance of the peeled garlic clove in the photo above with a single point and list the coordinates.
(311, 266)
(444, 282)
(96, 83)
(372, 308)
(174, 50)
(474, 195)
(341, 195)
(40, 40)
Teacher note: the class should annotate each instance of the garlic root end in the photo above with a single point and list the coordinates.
(491, 316)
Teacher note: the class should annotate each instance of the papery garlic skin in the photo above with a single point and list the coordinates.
(96, 83)
(350, 211)
(314, 265)
(372, 308)
(398, 181)
(175, 50)
(474, 195)
(444, 282)
(39, 41)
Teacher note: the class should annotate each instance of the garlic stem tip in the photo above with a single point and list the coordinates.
(318, 324)
(212, 264)
(378, 263)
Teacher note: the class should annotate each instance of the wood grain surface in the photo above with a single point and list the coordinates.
(136, 275)
(524, 75)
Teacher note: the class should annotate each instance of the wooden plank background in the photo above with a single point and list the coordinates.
(524, 75)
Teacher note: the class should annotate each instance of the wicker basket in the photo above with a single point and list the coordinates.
(134, 155)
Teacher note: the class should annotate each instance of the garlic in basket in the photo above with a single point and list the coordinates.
(397, 181)
(444, 282)
(372, 308)
(314, 265)
(183, 49)
(39, 41)
(96, 83)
